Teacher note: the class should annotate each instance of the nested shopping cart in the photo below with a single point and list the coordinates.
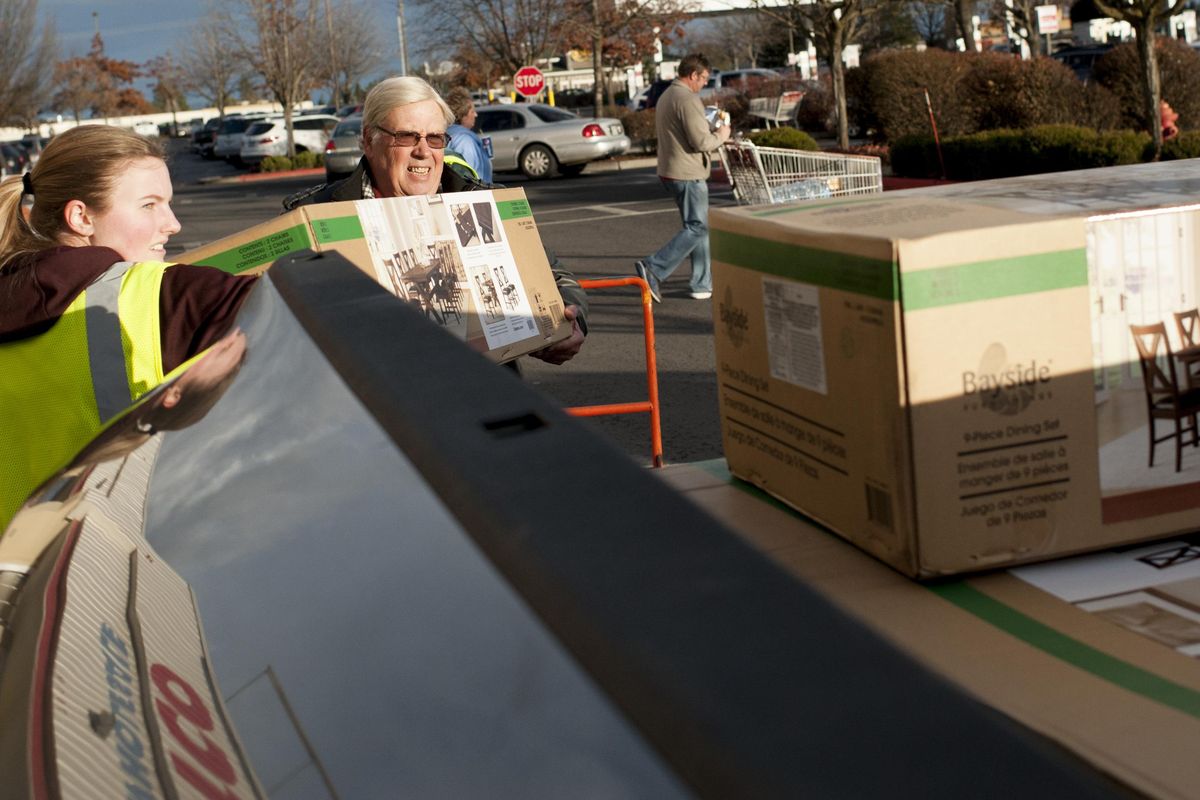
(777, 175)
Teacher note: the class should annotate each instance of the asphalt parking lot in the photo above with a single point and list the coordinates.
(598, 224)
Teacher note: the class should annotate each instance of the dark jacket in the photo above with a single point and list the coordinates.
(197, 305)
(452, 181)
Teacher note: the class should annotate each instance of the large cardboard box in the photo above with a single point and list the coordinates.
(918, 374)
(472, 262)
(1097, 653)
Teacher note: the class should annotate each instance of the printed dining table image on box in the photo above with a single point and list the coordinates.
(471, 262)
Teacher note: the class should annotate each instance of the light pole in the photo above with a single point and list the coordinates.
(403, 40)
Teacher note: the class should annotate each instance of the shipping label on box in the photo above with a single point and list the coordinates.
(916, 375)
(472, 262)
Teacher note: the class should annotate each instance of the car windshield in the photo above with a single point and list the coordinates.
(234, 125)
(259, 127)
(549, 114)
(349, 127)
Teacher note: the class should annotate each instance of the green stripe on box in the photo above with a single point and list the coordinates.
(337, 229)
(1074, 652)
(514, 209)
(1015, 623)
(873, 277)
(260, 251)
(988, 280)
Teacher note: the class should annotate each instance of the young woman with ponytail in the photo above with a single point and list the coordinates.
(91, 317)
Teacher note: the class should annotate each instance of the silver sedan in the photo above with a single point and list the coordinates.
(541, 140)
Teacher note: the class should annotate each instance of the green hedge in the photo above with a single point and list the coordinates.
(970, 92)
(303, 160)
(1185, 145)
(1005, 153)
(789, 138)
(639, 127)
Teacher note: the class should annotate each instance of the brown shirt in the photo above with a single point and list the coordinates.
(197, 305)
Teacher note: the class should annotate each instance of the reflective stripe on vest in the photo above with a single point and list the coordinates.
(61, 387)
(106, 353)
(456, 160)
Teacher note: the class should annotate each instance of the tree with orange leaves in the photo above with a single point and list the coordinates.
(98, 84)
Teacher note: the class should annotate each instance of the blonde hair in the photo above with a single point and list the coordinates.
(394, 92)
(83, 164)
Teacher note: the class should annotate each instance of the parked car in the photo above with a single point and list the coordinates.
(648, 96)
(268, 137)
(344, 149)
(736, 81)
(1081, 60)
(205, 137)
(14, 158)
(145, 128)
(228, 144)
(33, 145)
(541, 140)
(348, 111)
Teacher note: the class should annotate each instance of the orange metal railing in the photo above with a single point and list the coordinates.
(645, 406)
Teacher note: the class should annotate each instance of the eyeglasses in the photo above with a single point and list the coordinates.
(410, 138)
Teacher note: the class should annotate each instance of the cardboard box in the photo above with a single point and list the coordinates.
(472, 261)
(918, 373)
(1097, 653)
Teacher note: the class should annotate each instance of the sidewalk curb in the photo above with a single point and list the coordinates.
(607, 165)
(251, 177)
(612, 165)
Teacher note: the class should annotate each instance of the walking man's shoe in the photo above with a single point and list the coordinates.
(701, 295)
(651, 281)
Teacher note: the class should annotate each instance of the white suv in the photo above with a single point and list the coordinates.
(268, 137)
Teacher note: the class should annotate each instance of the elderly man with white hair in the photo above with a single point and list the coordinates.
(404, 139)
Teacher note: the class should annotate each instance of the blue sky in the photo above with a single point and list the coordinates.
(138, 30)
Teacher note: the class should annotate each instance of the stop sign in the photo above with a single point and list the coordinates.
(529, 81)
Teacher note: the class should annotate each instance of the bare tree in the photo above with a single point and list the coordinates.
(497, 37)
(210, 70)
(619, 32)
(964, 10)
(98, 83)
(169, 83)
(741, 38)
(73, 89)
(26, 62)
(352, 51)
(1144, 16)
(831, 25)
(281, 41)
(1023, 20)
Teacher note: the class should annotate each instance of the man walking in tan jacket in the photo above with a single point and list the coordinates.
(684, 144)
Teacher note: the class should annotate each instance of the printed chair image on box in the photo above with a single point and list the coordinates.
(1187, 323)
(1164, 400)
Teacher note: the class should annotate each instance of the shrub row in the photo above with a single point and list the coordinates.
(1006, 152)
(1119, 71)
(789, 138)
(972, 92)
(304, 160)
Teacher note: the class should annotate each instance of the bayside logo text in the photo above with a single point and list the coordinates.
(1008, 391)
(734, 319)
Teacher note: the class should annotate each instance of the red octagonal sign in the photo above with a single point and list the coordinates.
(529, 81)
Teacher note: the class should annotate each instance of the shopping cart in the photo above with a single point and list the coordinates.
(777, 175)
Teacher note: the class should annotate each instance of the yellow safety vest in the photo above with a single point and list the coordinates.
(454, 159)
(60, 388)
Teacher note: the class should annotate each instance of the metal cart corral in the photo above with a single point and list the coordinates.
(777, 175)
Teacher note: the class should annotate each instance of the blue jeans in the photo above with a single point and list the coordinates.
(692, 199)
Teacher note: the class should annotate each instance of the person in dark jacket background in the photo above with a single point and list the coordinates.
(403, 139)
